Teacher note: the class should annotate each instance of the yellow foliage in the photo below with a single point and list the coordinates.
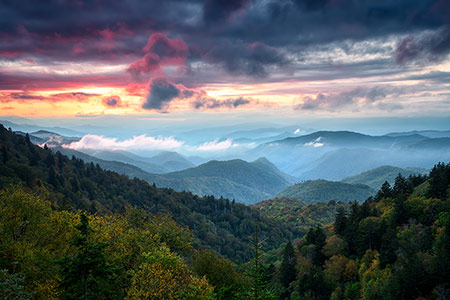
(163, 275)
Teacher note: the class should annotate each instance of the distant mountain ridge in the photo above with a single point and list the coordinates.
(247, 182)
(427, 133)
(163, 162)
(236, 179)
(376, 177)
(33, 128)
(335, 155)
(315, 191)
(346, 138)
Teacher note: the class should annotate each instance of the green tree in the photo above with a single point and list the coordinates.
(340, 222)
(12, 286)
(163, 275)
(258, 289)
(384, 192)
(439, 181)
(220, 272)
(288, 271)
(87, 274)
(317, 239)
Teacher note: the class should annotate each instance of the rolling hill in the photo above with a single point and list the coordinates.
(72, 184)
(235, 179)
(246, 182)
(314, 191)
(298, 214)
(335, 155)
(162, 162)
(376, 177)
(124, 157)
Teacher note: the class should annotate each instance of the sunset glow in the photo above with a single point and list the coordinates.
(51, 68)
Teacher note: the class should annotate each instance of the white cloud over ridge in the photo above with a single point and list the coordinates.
(141, 142)
(216, 145)
(316, 143)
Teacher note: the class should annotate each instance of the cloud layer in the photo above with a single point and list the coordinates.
(141, 142)
(182, 49)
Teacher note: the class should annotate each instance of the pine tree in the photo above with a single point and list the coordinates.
(288, 271)
(340, 224)
(439, 181)
(258, 290)
(86, 274)
(384, 192)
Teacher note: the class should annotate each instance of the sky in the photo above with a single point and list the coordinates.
(172, 60)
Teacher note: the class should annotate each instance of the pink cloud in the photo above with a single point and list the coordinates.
(160, 51)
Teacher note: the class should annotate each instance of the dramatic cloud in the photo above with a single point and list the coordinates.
(245, 59)
(160, 51)
(431, 46)
(112, 101)
(216, 145)
(266, 49)
(210, 103)
(219, 10)
(141, 142)
(162, 91)
(352, 98)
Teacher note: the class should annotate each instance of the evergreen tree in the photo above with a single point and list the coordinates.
(402, 187)
(439, 181)
(86, 274)
(288, 271)
(258, 290)
(52, 177)
(316, 237)
(340, 224)
(4, 154)
(384, 192)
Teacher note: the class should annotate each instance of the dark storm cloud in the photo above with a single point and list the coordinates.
(239, 58)
(275, 23)
(245, 37)
(433, 46)
(219, 10)
(162, 91)
(213, 103)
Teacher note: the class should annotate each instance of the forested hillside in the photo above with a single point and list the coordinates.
(219, 224)
(315, 191)
(246, 182)
(395, 245)
(300, 215)
(71, 230)
(376, 177)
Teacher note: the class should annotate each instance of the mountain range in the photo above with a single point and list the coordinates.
(266, 170)
(335, 155)
(314, 191)
(376, 177)
(235, 179)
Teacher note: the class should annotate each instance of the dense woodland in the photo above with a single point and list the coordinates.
(70, 230)
(70, 184)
